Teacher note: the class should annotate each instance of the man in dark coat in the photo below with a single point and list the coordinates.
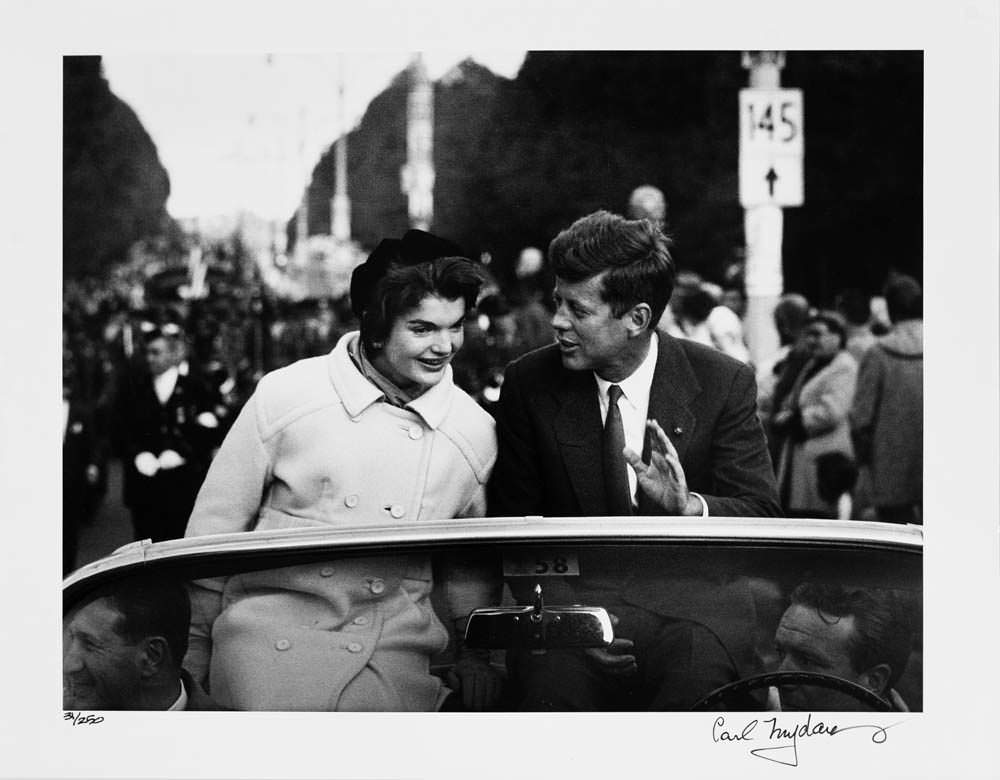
(888, 411)
(167, 430)
(691, 413)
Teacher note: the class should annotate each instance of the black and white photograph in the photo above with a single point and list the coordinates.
(502, 405)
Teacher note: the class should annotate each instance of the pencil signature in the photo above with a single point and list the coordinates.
(770, 731)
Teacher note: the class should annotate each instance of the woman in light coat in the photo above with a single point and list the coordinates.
(374, 432)
(813, 417)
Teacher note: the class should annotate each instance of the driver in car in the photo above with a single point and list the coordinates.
(618, 418)
(861, 635)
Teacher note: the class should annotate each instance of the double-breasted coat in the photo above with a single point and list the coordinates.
(317, 446)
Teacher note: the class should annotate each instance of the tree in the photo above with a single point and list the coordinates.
(114, 187)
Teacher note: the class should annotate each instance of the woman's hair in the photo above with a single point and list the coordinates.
(402, 287)
(833, 321)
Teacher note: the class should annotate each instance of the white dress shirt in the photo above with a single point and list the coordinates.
(634, 408)
(182, 700)
(633, 404)
(165, 384)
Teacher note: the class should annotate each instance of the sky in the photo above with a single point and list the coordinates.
(239, 132)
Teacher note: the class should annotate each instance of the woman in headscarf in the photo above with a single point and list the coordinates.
(812, 418)
(374, 432)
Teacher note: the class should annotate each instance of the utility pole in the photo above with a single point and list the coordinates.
(340, 205)
(302, 215)
(771, 143)
(417, 175)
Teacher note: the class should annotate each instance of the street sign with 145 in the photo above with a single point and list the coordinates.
(771, 147)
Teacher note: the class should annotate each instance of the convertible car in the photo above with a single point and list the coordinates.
(798, 614)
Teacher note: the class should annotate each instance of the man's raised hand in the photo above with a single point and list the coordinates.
(662, 479)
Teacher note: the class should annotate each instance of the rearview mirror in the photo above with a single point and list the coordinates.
(539, 627)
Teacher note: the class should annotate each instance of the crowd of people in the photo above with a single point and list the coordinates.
(842, 405)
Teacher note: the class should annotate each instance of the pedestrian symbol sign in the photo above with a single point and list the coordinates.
(771, 147)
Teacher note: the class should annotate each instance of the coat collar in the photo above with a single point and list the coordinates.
(905, 340)
(358, 394)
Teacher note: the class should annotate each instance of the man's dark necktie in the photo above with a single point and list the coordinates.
(615, 474)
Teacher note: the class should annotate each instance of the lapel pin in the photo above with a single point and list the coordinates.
(678, 430)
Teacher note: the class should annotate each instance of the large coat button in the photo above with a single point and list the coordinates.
(415, 432)
(326, 571)
(397, 511)
(282, 644)
(355, 647)
(377, 586)
(351, 501)
(360, 620)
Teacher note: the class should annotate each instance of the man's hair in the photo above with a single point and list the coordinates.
(403, 287)
(696, 305)
(790, 314)
(634, 252)
(855, 306)
(904, 298)
(833, 321)
(150, 606)
(883, 618)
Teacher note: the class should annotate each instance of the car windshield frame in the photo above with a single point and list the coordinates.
(295, 545)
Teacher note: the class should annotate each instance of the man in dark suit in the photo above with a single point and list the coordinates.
(167, 430)
(572, 421)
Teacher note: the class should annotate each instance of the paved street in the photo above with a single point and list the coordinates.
(111, 527)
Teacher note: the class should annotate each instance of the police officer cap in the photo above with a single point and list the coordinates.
(415, 247)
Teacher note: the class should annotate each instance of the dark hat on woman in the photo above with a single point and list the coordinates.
(415, 247)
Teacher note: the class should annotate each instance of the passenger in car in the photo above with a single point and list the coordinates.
(615, 419)
(375, 432)
(122, 649)
(863, 635)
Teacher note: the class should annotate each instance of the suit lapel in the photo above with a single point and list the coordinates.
(578, 427)
(674, 387)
